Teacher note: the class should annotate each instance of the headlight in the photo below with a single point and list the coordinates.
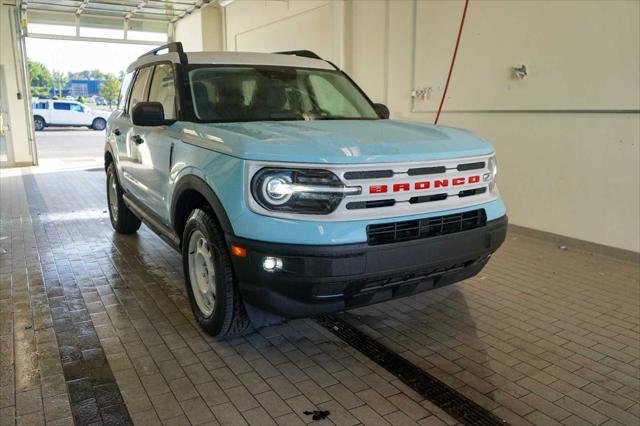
(493, 167)
(308, 191)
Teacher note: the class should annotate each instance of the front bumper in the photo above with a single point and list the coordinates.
(316, 280)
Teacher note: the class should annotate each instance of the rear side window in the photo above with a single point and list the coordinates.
(124, 89)
(138, 93)
(163, 90)
(40, 105)
(63, 106)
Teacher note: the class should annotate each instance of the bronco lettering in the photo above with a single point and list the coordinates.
(418, 186)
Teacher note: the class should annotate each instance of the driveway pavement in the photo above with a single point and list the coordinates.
(67, 142)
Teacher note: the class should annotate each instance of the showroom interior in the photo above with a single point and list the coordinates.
(96, 326)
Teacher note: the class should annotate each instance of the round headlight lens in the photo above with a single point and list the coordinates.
(276, 189)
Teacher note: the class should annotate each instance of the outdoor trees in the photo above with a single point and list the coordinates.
(110, 88)
(88, 75)
(41, 79)
(59, 81)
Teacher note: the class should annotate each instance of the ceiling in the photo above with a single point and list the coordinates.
(61, 11)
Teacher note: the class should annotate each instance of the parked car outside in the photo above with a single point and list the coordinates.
(67, 113)
(288, 192)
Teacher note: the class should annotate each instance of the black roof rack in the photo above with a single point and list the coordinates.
(303, 53)
(175, 47)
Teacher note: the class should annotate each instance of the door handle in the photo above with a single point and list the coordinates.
(138, 139)
(117, 132)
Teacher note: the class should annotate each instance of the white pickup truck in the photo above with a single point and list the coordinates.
(49, 112)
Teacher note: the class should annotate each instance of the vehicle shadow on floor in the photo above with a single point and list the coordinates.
(437, 332)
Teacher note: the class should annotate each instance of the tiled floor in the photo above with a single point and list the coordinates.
(542, 336)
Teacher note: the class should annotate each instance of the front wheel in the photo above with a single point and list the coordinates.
(99, 124)
(213, 293)
(38, 123)
(122, 219)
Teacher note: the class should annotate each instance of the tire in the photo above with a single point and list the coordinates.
(122, 219)
(225, 316)
(99, 124)
(39, 124)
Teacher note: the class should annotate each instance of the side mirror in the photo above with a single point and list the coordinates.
(149, 114)
(382, 110)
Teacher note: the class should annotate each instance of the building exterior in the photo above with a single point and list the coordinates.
(77, 88)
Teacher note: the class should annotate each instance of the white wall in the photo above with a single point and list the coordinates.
(17, 137)
(567, 136)
(270, 26)
(212, 37)
(201, 30)
(188, 31)
(573, 173)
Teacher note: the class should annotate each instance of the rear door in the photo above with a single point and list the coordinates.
(61, 113)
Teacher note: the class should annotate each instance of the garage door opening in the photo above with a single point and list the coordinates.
(69, 60)
(75, 65)
(74, 87)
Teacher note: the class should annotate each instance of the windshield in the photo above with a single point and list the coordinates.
(227, 94)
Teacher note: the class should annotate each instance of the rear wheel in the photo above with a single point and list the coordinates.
(209, 277)
(122, 219)
(39, 123)
(99, 124)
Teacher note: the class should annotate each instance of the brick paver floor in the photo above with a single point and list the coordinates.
(541, 336)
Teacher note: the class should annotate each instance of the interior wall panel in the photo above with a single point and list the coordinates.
(577, 54)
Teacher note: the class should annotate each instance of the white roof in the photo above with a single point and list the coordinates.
(236, 58)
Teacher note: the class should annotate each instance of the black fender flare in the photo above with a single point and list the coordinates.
(109, 150)
(192, 182)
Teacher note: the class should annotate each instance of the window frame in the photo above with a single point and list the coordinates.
(175, 88)
(178, 77)
(145, 92)
(127, 91)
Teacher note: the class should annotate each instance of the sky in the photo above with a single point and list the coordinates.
(65, 56)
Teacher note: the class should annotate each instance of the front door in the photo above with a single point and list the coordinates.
(155, 143)
(146, 165)
(79, 115)
(129, 151)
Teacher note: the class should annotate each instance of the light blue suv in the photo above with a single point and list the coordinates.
(288, 192)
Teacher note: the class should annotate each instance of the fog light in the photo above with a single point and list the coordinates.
(272, 264)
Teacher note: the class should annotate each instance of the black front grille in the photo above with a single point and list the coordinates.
(387, 233)
(369, 174)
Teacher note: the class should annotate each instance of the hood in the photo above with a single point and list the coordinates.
(339, 141)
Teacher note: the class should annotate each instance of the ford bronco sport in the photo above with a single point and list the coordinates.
(288, 192)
